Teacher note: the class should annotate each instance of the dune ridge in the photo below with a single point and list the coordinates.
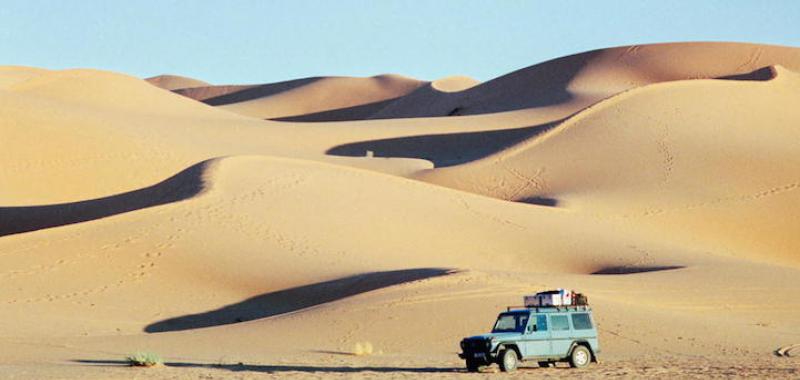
(302, 96)
(176, 82)
(574, 81)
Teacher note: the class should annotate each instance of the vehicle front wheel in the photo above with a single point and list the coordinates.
(580, 357)
(472, 366)
(507, 360)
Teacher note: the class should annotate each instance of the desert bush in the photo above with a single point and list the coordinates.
(144, 359)
(362, 349)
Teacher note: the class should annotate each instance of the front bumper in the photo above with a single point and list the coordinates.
(477, 350)
(476, 355)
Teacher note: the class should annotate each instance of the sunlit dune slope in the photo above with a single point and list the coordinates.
(89, 133)
(93, 134)
(233, 228)
(717, 156)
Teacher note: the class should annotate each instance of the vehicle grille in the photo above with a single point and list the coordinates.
(475, 346)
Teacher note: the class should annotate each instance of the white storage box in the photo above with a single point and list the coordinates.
(558, 297)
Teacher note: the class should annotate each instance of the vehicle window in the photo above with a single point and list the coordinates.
(581, 321)
(506, 322)
(559, 322)
(510, 323)
(541, 322)
(522, 323)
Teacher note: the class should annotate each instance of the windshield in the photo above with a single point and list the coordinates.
(515, 322)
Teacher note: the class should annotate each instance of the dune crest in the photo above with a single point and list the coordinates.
(303, 96)
(175, 82)
(454, 83)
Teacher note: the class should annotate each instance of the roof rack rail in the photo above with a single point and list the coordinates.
(551, 308)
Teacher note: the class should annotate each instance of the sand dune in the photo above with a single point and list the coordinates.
(176, 82)
(601, 73)
(661, 180)
(646, 173)
(572, 82)
(303, 96)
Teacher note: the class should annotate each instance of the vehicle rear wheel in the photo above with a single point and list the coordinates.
(507, 360)
(580, 357)
(544, 364)
(472, 366)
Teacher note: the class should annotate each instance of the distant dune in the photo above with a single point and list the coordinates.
(266, 229)
(302, 96)
(175, 82)
(571, 82)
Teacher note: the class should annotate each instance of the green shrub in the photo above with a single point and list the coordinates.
(144, 359)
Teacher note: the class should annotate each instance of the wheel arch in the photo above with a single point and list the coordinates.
(584, 343)
(510, 346)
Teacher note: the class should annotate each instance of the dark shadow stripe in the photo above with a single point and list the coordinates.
(632, 270)
(289, 300)
(184, 185)
(442, 149)
(241, 367)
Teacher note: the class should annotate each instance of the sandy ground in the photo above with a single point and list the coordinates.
(266, 230)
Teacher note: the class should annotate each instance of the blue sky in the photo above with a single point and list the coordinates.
(266, 41)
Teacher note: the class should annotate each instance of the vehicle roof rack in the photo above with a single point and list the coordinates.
(551, 308)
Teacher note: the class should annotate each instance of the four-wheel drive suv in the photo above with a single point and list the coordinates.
(545, 334)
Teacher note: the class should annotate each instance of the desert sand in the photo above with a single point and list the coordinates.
(267, 230)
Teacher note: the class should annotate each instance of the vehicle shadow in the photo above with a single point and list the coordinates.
(241, 367)
(329, 352)
(289, 300)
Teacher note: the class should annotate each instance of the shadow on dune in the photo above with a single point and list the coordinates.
(289, 300)
(635, 269)
(281, 368)
(540, 85)
(259, 91)
(184, 185)
(442, 149)
(359, 112)
(540, 201)
(207, 92)
(763, 74)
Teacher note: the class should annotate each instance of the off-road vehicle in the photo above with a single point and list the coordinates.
(545, 334)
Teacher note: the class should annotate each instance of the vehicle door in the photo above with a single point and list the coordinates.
(584, 329)
(536, 339)
(560, 335)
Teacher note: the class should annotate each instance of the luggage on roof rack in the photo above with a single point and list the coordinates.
(557, 297)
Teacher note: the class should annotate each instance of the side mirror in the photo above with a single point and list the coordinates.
(534, 328)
